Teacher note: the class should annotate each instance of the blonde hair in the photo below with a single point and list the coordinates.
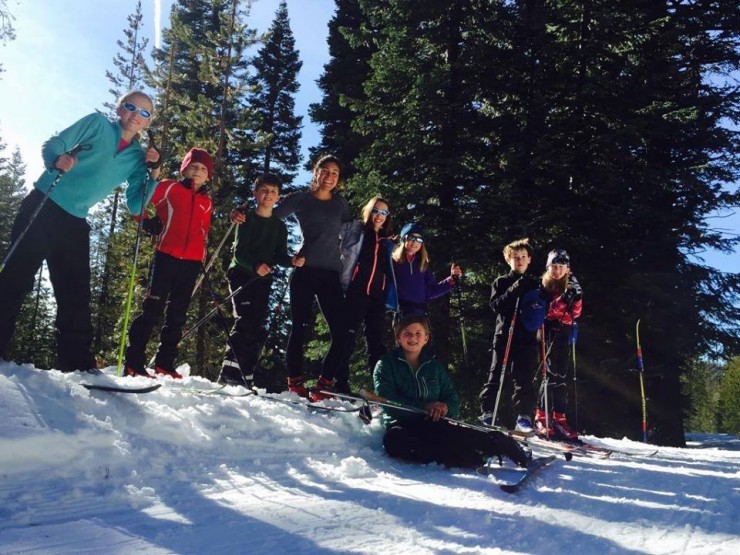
(367, 214)
(320, 163)
(519, 244)
(399, 255)
(126, 97)
(552, 285)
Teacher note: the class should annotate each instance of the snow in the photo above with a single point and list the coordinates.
(173, 472)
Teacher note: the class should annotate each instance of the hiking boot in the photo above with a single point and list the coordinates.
(486, 419)
(503, 445)
(324, 384)
(132, 372)
(295, 385)
(540, 425)
(231, 374)
(174, 374)
(524, 424)
(561, 427)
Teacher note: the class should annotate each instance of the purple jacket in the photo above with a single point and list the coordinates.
(416, 288)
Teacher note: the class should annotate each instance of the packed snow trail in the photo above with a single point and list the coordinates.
(172, 472)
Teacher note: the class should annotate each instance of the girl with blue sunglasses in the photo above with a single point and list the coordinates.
(84, 164)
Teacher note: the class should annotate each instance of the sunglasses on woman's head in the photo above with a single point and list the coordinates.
(414, 238)
(381, 211)
(146, 114)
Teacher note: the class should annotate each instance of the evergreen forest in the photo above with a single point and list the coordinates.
(609, 129)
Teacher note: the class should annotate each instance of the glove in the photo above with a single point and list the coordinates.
(573, 292)
(153, 226)
(525, 284)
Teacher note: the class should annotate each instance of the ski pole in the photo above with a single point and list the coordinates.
(463, 335)
(505, 360)
(545, 377)
(640, 368)
(222, 322)
(72, 152)
(213, 259)
(207, 317)
(573, 338)
(132, 279)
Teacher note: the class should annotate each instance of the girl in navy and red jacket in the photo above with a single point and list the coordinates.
(366, 276)
(565, 305)
(184, 211)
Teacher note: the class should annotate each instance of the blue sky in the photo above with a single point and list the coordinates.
(55, 71)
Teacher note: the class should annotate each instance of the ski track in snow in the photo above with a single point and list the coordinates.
(171, 472)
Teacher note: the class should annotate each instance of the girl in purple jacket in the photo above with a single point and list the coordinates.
(415, 283)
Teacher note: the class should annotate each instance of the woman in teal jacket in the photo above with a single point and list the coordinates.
(87, 161)
(411, 376)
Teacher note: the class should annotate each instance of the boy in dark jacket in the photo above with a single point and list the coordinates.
(261, 242)
(506, 294)
(184, 209)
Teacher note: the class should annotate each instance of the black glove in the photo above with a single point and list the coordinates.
(573, 292)
(153, 226)
(525, 284)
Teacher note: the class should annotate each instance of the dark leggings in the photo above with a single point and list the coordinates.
(171, 287)
(307, 283)
(63, 241)
(424, 441)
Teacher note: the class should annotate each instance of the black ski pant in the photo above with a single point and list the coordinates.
(324, 285)
(171, 287)
(362, 309)
(424, 441)
(522, 365)
(557, 340)
(63, 241)
(248, 333)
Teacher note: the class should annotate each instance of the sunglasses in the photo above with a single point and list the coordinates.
(381, 211)
(414, 239)
(146, 114)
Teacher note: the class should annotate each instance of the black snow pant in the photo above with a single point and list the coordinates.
(307, 283)
(248, 333)
(557, 340)
(171, 286)
(63, 241)
(522, 364)
(424, 441)
(360, 310)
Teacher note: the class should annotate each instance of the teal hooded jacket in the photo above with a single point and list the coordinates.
(395, 380)
(99, 170)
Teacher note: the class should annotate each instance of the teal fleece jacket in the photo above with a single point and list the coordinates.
(395, 380)
(98, 171)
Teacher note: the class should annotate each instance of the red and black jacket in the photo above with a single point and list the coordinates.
(186, 219)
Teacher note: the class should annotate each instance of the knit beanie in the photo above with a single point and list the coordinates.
(198, 155)
(557, 256)
(410, 228)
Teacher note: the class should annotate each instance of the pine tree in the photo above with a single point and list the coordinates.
(350, 48)
(274, 86)
(12, 192)
(7, 32)
(112, 237)
(198, 76)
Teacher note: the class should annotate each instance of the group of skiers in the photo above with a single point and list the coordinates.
(357, 270)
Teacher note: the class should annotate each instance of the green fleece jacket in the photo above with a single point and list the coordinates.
(98, 171)
(395, 380)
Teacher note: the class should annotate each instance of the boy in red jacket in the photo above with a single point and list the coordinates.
(184, 209)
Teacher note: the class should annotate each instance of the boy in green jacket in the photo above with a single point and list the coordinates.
(412, 376)
(261, 243)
